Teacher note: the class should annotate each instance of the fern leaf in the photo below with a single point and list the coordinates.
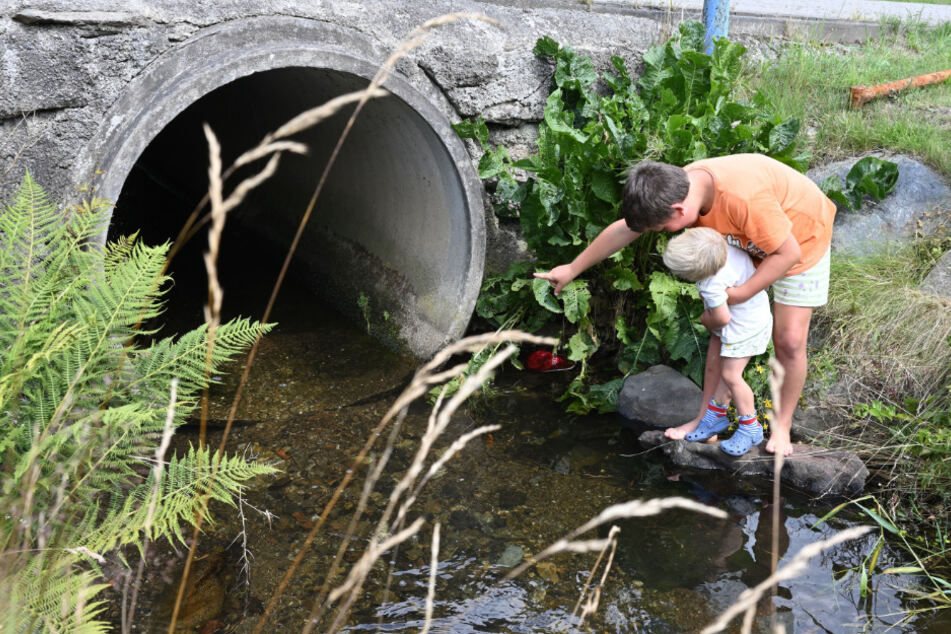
(186, 481)
(187, 359)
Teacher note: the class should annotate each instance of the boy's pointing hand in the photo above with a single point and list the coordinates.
(559, 276)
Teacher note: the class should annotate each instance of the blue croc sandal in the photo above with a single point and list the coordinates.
(710, 425)
(743, 439)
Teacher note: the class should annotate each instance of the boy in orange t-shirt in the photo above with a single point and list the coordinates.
(777, 215)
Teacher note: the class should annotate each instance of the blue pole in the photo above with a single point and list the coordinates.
(716, 20)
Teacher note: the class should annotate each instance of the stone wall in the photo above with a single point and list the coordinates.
(77, 74)
(65, 63)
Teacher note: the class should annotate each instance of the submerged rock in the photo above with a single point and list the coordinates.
(660, 396)
(511, 556)
(816, 470)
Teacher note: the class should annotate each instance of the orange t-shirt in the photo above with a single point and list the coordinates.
(759, 200)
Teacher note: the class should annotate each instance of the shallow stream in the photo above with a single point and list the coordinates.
(504, 497)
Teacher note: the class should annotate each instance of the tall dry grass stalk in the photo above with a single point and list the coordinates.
(273, 145)
(417, 475)
(431, 588)
(776, 377)
(590, 597)
(158, 473)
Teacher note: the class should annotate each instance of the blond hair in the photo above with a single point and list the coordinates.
(696, 254)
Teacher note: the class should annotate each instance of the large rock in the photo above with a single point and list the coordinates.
(938, 281)
(918, 203)
(660, 396)
(819, 471)
(814, 421)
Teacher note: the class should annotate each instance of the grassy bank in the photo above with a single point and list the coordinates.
(883, 352)
(811, 81)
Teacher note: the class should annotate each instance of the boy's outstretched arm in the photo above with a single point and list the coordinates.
(773, 267)
(612, 239)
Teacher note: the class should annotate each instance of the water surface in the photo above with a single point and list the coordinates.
(504, 497)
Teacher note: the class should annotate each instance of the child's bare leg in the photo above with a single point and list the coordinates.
(731, 370)
(790, 332)
(711, 389)
(749, 432)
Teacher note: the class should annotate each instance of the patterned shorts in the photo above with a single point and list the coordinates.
(809, 288)
(749, 347)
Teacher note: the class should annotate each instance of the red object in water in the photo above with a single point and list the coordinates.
(545, 361)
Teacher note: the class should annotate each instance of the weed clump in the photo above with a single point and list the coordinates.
(886, 346)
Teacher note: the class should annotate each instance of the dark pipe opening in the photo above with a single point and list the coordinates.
(387, 226)
(170, 178)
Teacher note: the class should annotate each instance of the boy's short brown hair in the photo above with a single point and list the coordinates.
(696, 254)
(650, 190)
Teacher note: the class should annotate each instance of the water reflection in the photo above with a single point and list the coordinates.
(503, 498)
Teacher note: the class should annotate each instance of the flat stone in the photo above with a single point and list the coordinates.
(78, 18)
(659, 396)
(814, 421)
(511, 556)
(938, 281)
(816, 470)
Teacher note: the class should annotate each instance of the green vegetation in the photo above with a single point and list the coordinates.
(869, 176)
(881, 344)
(683, 108)
(879, 334)
(889, 342)
(935, 591)
(811, 81)
(83, 409)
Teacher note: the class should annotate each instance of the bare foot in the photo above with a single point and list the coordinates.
(779, 441)
(678, 433)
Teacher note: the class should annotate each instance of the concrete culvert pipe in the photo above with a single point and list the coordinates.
(400, 219)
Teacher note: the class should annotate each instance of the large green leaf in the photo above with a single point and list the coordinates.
(545, 47)
(783, 136)
(576, 298)
(581, 346)
(473, 129)
(691, 35)
(605, 187)
(872, 176)
(543, 295)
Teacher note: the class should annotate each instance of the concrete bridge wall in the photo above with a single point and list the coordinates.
(110, 95)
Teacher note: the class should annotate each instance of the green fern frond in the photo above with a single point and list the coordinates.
(82, 409)
(42, 258)
(186, 358)
(53, 594)
(124, 298)
(186, 481)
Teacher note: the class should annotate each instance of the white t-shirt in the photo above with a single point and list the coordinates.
(747, 319)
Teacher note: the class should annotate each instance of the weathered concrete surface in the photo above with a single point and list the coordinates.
(110, 95)
(87, 86)
(816, 470)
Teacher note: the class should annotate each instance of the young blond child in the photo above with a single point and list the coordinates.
(774, 213)
(737, 332)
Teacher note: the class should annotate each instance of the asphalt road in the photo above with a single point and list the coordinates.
(845, 10)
